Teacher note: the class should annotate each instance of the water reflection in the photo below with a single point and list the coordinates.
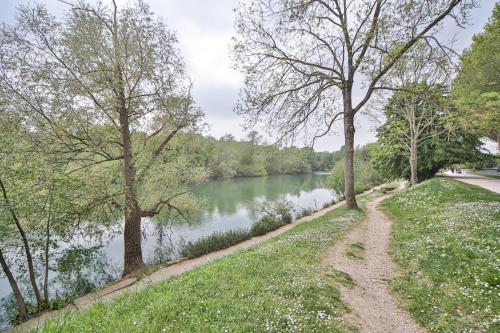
(227, 197)
(87, 263)
(76, 271)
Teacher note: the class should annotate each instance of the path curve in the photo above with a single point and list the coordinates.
(374, 308)
(488, 183)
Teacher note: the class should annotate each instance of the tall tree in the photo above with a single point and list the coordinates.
(300, 56)
(477, 86)
(414, 115)
(10, 129)
(37, 205)
(109, 86)
(391, 156)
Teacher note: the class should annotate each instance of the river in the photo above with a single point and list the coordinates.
(85, 262)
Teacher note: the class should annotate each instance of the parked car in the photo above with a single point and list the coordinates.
(459, 171)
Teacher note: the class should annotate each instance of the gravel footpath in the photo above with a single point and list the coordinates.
(374, 308)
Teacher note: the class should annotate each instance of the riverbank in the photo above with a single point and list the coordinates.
(445, 241)
(332, 220)
(93, 262)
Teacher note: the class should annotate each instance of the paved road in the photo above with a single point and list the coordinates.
(488, 183)
(493, 172)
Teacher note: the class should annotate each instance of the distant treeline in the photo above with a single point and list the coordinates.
(227, 157)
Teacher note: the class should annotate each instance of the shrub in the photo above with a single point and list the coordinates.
(274, 214)
(329, 203)
(251, 170)
(304, 212)
(266, 224)
(365, 176)
(360, 188)
(214, 242)
(278, 209)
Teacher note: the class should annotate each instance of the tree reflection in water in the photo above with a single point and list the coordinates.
(79, 271)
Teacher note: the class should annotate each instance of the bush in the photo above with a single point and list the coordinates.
(214, 242)
(274, 214)
(365, 176)
(251, 170)
(329, 203)
(280, 210)
(224, 170)
(360, 187)
(265, 225)
(304, 212)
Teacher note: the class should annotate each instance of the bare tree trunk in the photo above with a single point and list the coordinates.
(46, 275)
(29, 257)
(23, 313)
(47, 246)
(498, 143)
(132, 234)
(350, 195)
(413, 163)
(132, 260)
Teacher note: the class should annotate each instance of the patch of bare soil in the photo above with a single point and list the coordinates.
(361, 266)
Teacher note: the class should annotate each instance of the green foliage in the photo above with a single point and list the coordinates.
(265, 225)
(328, 204)
(390, 159)
(251, 170)
(477, 86)
(273, 215)
(445, 241)
(227, 158)
(443, 143)
(279, 209)
(276, 286)
(304, 212)
(365, 176)
(214, 242)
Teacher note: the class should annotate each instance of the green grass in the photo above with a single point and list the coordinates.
(445, 239)
(340, 277)
(276, 286)
(356, 251)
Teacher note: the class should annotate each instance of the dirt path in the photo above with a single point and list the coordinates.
(363, 256)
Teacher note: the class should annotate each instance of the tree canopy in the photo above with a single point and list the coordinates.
(302, 59)
(439, 144)
(477, 86)
(108, 86)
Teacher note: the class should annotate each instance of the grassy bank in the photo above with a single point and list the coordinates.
(446, 243)
(277, 286)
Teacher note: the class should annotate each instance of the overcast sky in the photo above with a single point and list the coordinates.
(204, 29)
